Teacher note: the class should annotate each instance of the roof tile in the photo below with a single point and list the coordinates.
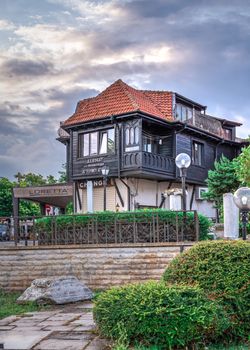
(120, 98)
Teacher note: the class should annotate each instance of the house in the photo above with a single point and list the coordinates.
(137, 134)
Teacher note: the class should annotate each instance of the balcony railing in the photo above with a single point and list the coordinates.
(209, 124)
(148, 160)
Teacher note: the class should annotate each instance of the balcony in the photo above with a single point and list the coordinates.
(210, 124)
(149, 161)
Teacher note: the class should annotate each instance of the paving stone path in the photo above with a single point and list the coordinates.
(68, 327)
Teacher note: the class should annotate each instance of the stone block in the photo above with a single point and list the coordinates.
(56, 290)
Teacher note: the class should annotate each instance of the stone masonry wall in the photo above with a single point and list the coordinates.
(98, 267)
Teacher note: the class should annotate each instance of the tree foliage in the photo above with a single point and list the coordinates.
(26, 208)
(6, 187)
(222, 179)
(243, 166)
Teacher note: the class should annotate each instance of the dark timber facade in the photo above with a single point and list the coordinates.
(138, 134)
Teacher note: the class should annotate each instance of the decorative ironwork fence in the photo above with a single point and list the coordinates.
(111, 228)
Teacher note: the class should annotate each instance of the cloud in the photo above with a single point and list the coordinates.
(60, 51)
(6, 25)
(21, 67)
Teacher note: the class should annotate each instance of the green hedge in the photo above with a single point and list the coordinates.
(138, 215)
(222, 270)
(156, 314)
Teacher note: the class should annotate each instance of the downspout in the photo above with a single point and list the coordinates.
(192, 197)
(216, 149)
(129, 193)
(118, 150)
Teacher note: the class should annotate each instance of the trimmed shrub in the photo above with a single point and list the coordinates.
(222, 270)
(156, 314)
(63, 221)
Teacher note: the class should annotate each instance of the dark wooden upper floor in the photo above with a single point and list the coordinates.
(139, 133)
(139, 146)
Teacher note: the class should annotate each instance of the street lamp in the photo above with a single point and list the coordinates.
(105, 172)
(183, 162)
(242, 200)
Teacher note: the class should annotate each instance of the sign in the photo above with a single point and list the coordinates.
(93, 166)
(96, 183)
(43, 191)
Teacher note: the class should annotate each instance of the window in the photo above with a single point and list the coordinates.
(111, 141)
(107, 141)
(136, 135)
(91, 143)
(197, 154)
(132, 138)
(85, 145)
(104, 143)
(183, 113)
(147, 144)
(228, 134)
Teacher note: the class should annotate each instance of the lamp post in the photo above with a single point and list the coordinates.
(105, 172)
(242, 200)
(183, 162)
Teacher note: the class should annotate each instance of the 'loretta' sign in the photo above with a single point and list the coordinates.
(43, 191)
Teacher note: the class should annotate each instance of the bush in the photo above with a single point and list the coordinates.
(156, 314)
(63, 221)
(222, 270)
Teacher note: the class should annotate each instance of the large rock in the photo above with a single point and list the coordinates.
(56, 290)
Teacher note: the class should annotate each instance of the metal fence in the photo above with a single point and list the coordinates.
(108, 228)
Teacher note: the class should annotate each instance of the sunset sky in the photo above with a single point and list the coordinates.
(56, 52)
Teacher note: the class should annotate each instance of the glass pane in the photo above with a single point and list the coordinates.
(178, 112)
(93, 142)
(149, 147)
(111, 140)
(132, 135)
(190, 113)
(104, 143)
(86, 144)
(127, 137)
(136, 135)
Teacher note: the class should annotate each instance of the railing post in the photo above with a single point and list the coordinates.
(115, 229)
(16, 231)
(134, 229)
(197, 225)
(34, 231)
(56, 231)
(26, 233)
(74, 229)
(177, 226)
(157, 228)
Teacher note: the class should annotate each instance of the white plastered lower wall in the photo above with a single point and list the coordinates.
(144, 192)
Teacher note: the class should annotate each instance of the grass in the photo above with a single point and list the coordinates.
(8, 305)
(211, 347)
(231, 347)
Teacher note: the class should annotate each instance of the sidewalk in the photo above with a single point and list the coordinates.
(68, 327)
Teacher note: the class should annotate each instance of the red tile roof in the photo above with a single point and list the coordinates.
(120, 98)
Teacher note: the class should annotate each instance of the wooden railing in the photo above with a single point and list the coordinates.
(148, 160)
(209, 124)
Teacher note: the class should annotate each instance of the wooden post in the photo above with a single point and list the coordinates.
(15, 217)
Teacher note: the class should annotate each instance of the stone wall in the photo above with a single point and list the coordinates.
(99, 267)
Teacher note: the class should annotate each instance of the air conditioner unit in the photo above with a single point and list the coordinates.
(200, 191)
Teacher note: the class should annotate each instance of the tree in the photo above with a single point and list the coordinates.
(26, 208)
(6, 187)
(243, 166)
(222, 179)
(63, 174)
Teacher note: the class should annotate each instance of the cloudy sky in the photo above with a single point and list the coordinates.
(56, 52)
